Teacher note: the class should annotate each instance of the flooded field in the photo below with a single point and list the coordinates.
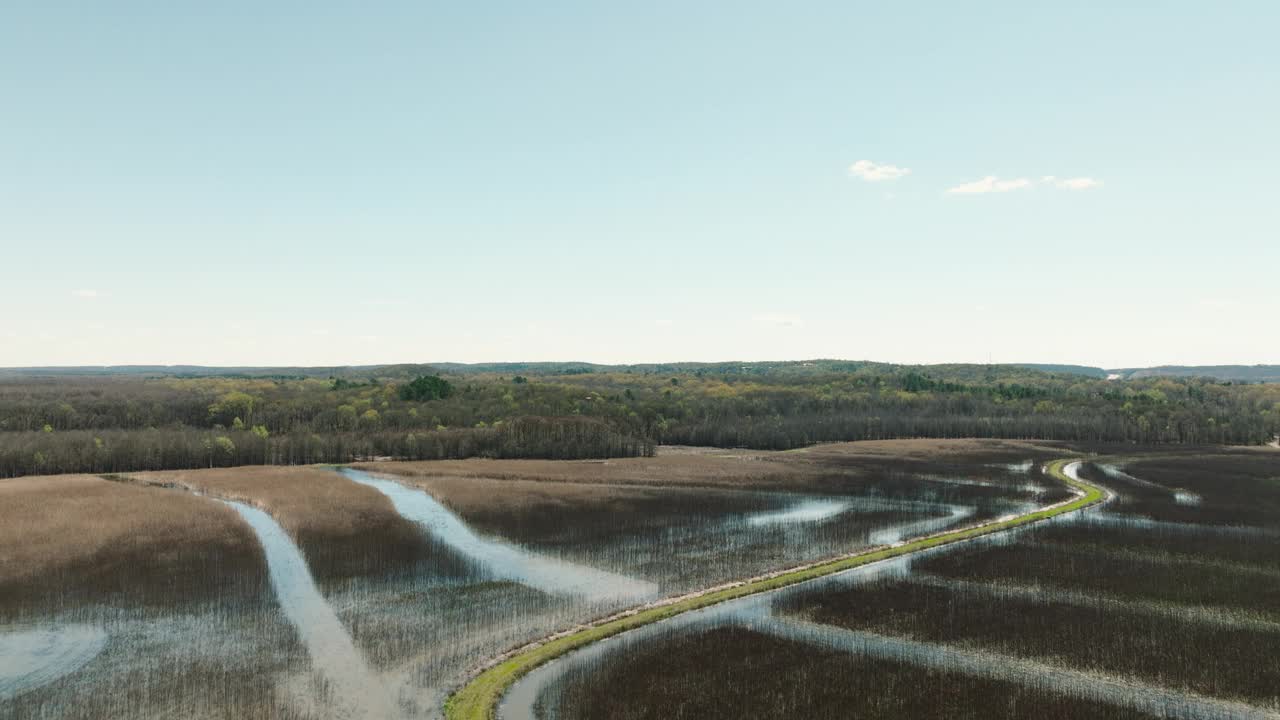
(1106, 613)
(374, 591)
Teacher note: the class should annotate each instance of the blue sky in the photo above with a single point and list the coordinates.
(325, 183)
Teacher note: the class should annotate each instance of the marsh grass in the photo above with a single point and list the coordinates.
(345, 530)
(1234, 488)
(75, 539)
(732, 672)
(1099, 638)
(686, 538)
(214, 660)
(1207, 546)
(207, 639)
(739, 469)
(479, 698)
(683, 537)
(820, 468)
(176, 582)
(1073, 559)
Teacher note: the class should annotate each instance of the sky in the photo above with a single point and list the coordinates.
(289, 183)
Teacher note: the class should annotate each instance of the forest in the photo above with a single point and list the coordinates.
(114, 420)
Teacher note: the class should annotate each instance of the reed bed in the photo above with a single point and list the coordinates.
(1074, 560)
(176, 582)
(1101, 638)
(685, 538)
(212, 660)
(73, 539)
(733, 672)
(345, 530)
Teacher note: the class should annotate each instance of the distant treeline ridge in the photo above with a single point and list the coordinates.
(109, 423)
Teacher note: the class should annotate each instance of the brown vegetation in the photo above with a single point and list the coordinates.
(966, 450)
(680, 518)
(807, 469)
(735, 672)
(1131, 644)
(343, 528)
(75, 537)
(722, 468)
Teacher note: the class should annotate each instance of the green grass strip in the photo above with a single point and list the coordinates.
(478, 699)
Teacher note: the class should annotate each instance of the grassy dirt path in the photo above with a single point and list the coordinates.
(479, 698)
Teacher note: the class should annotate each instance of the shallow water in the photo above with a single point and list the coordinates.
(805, 511)
(1021, 468)
(1064, 595)
(34, 657)
(898, 533)
(756, 613)
(355, 692)
(1144, 523)
(1186, 497)
(521, 700)
(1115, 472)
(1159, 701)
(504, 560)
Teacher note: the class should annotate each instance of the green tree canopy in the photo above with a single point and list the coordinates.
(426, 387)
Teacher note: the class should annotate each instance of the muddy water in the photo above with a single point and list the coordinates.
(355, 692)
(33, 657)
(506, 561)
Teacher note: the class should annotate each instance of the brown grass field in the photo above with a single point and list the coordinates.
(73, 537)
(343, 528)
(808, 469)
(720, 468)
(86, 535)
(962, 450)
(476, 497)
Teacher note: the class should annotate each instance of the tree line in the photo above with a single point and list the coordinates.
(109, 423)
(112, 451)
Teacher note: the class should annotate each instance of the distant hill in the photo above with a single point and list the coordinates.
(775, 369)
(293, 373)
(1242, 373)
(1094, 372)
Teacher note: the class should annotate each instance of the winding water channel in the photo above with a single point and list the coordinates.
(356, 691)
(550, 575)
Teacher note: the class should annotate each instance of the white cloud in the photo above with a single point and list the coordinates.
(1076, 183)
(993, 184)
(989, 184)
(86, 293)
(777, 319)
(874, 172)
